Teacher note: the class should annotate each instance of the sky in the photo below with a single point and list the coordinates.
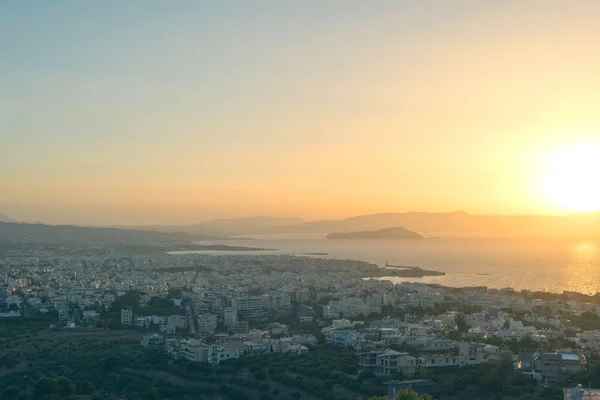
(143, 111)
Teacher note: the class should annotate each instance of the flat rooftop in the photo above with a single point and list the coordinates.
(588, 394)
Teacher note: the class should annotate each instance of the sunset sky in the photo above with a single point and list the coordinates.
(136, 112)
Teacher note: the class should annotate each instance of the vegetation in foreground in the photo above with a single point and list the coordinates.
(39, 363)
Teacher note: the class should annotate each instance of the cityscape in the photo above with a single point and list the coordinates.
(300, 200)
(218, 309)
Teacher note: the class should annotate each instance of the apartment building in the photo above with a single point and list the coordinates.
(387, 362)
(207, 324)
(229, 317)
(126, 317)
(441, 360)
(251, 307)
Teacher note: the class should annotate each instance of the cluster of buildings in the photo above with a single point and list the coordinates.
(221, 298)
(552, 366)
(254, 343)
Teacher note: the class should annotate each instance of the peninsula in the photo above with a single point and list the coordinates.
(388, 233)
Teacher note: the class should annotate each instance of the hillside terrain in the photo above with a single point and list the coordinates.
(451, 224)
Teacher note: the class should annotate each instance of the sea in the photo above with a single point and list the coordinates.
(552, 265)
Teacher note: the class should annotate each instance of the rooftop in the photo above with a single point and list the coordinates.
(588, 394)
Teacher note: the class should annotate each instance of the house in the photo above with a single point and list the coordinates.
(346, 338)
(441, 360)
(551, 367)
(590, 340)
(276, 329)
(305, 339)
(190, 349)
(223, 351)
(475, 353)
(573, 363)
(439, 344)
(417, 336)
(152, 340)
(549, 364)
(256, 347)
(198, 351)
(387, 362)
(526, 363)
(588, 394)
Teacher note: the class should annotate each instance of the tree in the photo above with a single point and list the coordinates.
(153, 394)
(85, 388)
(260, 375)
(461, 323)
(11, 393)
(409, 394)
(13, 307)
(66, 387)
(45, 386)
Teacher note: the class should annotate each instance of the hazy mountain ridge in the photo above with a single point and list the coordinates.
(5, 218)
(69, 235)
(225, 227)
(396, 233)
(461, 224)
(448, 224)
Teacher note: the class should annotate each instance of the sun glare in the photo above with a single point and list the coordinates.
(571, 177)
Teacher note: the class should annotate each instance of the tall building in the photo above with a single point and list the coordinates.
(207, 324)
(229, 317)
(126, 317)
(251, 307)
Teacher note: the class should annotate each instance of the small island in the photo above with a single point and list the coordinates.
(388, 233)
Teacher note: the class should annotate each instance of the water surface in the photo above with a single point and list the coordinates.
(537, 264)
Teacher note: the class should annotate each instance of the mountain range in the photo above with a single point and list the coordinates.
(5, 218)
(450, 224)
(58, 235)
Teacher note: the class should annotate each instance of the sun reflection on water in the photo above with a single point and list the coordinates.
(582, 272)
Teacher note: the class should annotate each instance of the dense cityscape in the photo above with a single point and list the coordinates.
(299, 200)
(200, 312)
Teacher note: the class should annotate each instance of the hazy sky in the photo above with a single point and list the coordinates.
(173, 112)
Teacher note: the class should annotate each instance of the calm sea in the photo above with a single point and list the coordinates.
(551, 265)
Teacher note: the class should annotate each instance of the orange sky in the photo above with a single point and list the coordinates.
(175, 115)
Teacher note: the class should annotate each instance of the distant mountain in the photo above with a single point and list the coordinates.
(226, 227)
(449, 224)
(456, 224)
(78, 235)
(388, 233)
(5, 218)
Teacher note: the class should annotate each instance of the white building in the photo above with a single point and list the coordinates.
(229, 317)
(126, 317)
(438, 361)
(590, 339)
(387, 362)
(207, 324)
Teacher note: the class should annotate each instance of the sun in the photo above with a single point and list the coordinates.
(572, 177)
